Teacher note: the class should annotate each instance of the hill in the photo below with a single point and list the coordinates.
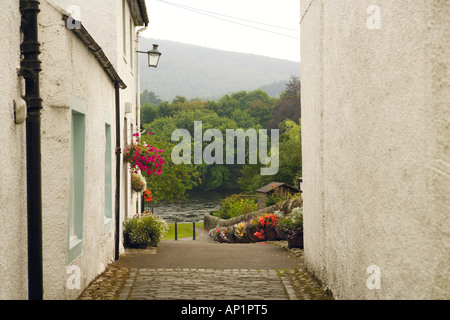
(198, 72)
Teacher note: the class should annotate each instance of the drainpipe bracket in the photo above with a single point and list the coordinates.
(27, 73)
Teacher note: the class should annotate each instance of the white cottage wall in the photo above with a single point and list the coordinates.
(13, 199)
(375, 130)
(71, 74)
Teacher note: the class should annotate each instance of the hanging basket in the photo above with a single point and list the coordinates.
(138, 183)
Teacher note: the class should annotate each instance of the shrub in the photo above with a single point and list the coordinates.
(236, 205)
(144, 230)
(279, 195)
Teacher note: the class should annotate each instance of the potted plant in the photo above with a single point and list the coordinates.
(253, 230)
(268, 222)
(144, 230)
(295, 238)
(241, 234)
(215, 234)
(230, 234)
(291, 228)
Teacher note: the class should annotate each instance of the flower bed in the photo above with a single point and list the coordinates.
(266, 227)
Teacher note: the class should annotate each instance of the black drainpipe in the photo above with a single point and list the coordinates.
(30, 67)
(118, 164)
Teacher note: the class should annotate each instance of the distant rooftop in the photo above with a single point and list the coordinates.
(269, 187)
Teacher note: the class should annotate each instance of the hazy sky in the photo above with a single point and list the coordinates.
(171, 22)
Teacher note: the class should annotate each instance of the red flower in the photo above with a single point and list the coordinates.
(259, 234)
(148, 195)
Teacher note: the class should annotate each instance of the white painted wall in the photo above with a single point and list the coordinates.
(69, 72)
(104, 21)
(13, 253)
(376, 147)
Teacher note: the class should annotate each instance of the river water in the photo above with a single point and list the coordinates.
(193, 209)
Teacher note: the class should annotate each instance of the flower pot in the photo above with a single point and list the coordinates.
(295, 241)
(244, 239)
(272, 235)
(220, 239)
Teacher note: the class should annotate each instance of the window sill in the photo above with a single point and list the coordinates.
(75, 248)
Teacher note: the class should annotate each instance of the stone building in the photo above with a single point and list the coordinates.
(376, 147)
(90, 107)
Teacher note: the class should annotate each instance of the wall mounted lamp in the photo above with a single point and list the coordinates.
(153, 56)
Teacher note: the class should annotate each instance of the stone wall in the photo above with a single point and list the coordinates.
(211, 222)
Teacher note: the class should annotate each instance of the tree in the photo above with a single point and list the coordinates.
(150, 97)
(148, 113)
(290, 162)
(289, 106)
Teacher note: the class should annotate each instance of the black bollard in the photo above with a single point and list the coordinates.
(193, 236)
(176, 236)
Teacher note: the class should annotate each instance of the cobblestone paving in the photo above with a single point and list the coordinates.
(204, 284)
(120, 283)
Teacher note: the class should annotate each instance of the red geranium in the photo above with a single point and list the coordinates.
(268, 220)
(148, 196)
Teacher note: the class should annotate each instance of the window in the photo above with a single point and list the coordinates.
(108, 180)
(76, 181)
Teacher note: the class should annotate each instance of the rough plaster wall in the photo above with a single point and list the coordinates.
(103, 20)
(70, 70)
(100, 19)
(13, 209)
(376, 147)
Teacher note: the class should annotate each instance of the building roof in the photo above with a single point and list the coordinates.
(269, 187)
(138, 10)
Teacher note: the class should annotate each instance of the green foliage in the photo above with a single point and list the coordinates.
(236, 205)
(150, 98)
(240, 110)
(148, 113)
(144, 230)
(288, 106)
(290, 166)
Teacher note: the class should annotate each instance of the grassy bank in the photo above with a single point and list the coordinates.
(184, 230)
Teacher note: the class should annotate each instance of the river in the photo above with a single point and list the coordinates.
(193, 209)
